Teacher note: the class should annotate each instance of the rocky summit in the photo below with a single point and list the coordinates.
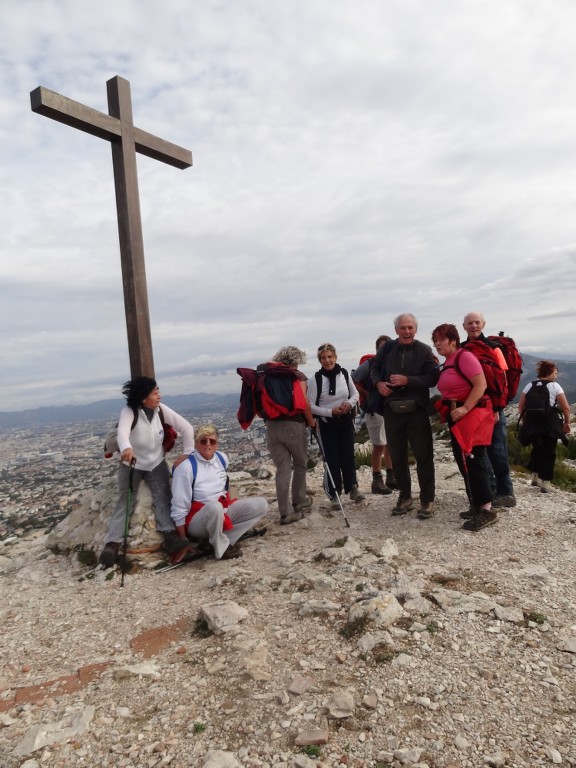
(391, 642)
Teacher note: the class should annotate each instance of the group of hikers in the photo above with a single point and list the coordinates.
(477, 379)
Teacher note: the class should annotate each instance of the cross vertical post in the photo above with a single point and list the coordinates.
(118, 128)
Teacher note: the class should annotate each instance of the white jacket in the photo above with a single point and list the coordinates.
(147, 436)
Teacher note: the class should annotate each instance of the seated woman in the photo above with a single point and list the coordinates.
(332, 397)
(462, 385)
(140, 438)
(201, 506)
(546, 428)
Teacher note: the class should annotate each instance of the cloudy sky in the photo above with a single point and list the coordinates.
(352, 160)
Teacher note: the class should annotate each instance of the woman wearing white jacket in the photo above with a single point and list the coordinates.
(140, 440)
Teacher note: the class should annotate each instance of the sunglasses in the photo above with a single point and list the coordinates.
(208, 441)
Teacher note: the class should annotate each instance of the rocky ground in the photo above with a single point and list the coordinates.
(394, 642)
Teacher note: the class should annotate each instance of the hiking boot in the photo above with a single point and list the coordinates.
(508, 500)
(468, 514)
(304, 505)
(173, 542)
(334, 502)
(546, 486)
(482, 519)
(232, 552)
(355, 494)
(402, 506)
(291, 518)
(536, 482)
(109, 554)
(391, 480)
(426, 511)
(378, 485)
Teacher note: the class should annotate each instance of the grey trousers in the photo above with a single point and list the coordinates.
(158, 480)
(287, 444)
(207, 522)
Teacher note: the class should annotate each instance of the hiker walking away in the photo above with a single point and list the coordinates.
(546, 417)
(140, 438)
(202, 510)
(468, 411)
(288, 444)
(497, 452)
(332, 398)
(403, 372)
(374, 424)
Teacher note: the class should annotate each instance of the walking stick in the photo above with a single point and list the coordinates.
(127, 520)
(327, 470)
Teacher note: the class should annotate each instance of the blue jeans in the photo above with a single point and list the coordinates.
(497, 460)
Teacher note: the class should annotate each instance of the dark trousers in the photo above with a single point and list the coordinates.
(496, 460)
(413, 428)
(473, 470)
(543, 456)
(337, 434)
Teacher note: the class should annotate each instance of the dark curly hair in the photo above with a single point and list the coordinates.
(136, 390)
(545, 368)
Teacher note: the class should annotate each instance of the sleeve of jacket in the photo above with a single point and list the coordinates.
(429, 371)
(124, 428)
(182, 426)
(181, 492)
(377, 370)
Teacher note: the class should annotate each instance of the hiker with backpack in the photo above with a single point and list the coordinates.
(374, 423)
(332, 399)
(403, 372)
(202, 509)
(491, 355)
(142, 457)
(287, 440)
(545, 411)
(468, 412)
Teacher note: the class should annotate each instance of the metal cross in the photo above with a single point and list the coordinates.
(118, 128)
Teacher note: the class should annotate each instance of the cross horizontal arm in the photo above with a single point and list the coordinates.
(76, 115)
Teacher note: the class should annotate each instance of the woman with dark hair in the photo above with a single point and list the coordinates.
(469, 414)
(332, 397)
(545, 428)
(140, 441)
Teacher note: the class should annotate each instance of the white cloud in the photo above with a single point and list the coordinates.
(351, 161)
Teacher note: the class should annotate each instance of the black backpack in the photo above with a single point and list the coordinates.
(537, 401)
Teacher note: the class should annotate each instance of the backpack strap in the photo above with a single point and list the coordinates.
(457, 368)
(318, 377)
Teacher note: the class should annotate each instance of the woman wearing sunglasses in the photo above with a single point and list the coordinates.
(202, 509)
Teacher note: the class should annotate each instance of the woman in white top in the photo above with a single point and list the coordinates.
(140, 438)
(545, 431)
(332, 397)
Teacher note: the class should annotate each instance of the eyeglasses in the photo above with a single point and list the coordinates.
(208, 441)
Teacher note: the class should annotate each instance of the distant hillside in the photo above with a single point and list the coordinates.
(200, 404)
(566, 376)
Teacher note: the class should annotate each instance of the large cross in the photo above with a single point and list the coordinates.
(118, 128)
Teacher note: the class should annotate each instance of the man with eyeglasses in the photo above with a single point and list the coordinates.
(202, 509)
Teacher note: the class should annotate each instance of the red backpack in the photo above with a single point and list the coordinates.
(496, 383)
(513, 361)
(270, 391)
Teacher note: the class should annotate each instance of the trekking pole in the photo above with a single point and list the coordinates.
(127, 519)
(327, 470)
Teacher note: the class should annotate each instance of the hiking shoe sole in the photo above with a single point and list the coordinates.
(504, 501)
(480, 521)
(293, 518)
(402, 509)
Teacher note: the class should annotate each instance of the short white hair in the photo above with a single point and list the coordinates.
(403, 315)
